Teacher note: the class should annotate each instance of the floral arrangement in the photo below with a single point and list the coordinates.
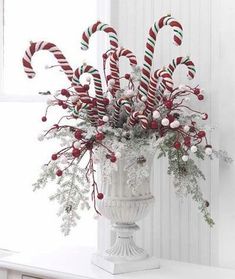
(140, 108)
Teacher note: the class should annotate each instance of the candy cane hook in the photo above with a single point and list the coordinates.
(149, 49)
(97, 82)
(99, 26)
(41, 45)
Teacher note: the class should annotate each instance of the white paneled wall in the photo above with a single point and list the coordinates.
(175, 229)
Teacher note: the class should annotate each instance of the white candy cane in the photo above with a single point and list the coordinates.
(34, 47)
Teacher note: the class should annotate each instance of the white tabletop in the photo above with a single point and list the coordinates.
(75, 264)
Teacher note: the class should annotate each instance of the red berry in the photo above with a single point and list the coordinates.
(86, 87)
(127, 76)
(60, 102)
(44, 119)
(187, 143)
(64, 106)
(99, 136)
(113, 158)
(56, 126)
(78, 134)
(76, 152)
(89, 145)
(105, 101)
(207, 204)
(64, 92)
(170, 117)
(154, 124)
(205, 116)
(109, 77)
(100, 196)
(169, 104)
(197, 91)
(105, 56)
(200, 97)
(54, 157)
(201, 134)
(177, 145)
(59, 172)
(187, 139)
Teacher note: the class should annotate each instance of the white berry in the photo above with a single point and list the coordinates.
(193, 149)
(165, 122)
(208, 150)
(111, 82)
(186, 128)
(129, 93)
(175, 124)
(185, 158)
(100, 128)
(50, 102)
(40, 137)
(77, 144)
(88, 79)
(143, 98)
(74, 99)
(182, 87)
(187, 99)
(63, 160)
(105, 118)
(156, 114)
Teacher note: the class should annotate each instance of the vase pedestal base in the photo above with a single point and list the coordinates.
(119, 266)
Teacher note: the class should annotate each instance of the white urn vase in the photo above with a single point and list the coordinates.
(127, 199)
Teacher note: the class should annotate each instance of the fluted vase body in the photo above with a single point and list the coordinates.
(127, 198)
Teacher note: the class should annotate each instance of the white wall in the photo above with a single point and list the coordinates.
(175, 229)
(226, 101)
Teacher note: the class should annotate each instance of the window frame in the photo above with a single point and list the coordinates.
(103, 13)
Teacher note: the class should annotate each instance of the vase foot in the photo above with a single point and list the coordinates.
(119, 266)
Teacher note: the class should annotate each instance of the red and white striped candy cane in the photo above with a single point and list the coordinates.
(136, 117)
(117, 107)
(149, 49)
(97, 82)
(182, 61)
(99, 26)
(34, 47)
(167, 83)
(114, 67)
(92, 115)
(82, 94)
